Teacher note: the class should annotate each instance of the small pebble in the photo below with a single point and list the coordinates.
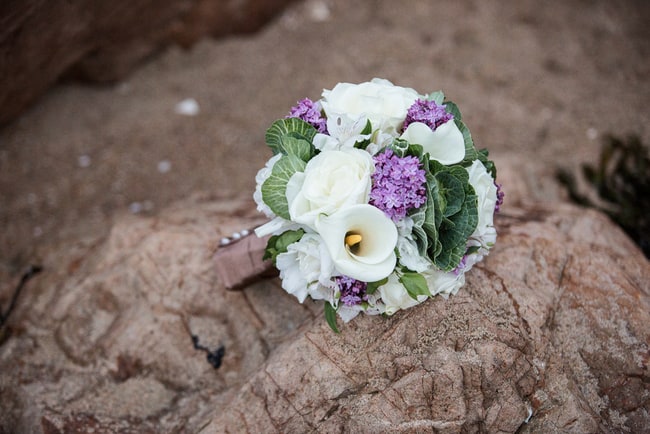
(187, 107)
(592, 133)
(83, 161)
(319, 11)
(135, 207)
(164, 166)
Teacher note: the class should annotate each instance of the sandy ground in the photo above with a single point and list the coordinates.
(540, 82)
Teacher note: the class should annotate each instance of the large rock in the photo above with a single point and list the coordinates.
(550, 334)
(103, 40)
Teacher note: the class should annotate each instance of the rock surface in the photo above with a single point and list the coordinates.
(554, 321)
(103, 40)
(548, 335)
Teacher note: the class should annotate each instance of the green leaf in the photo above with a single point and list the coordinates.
(367, 129)
(292, 145)
(402, 148)
(275, 187)
(454, 216)
(470, 150)
(279, 243)
(449, 258)
(372, 286)
(438, 97)
(290, 126)
(330, 316)
(451, 188)
(453, 109)
(489, 164)
(399, 147)
(433, 213)
(419, 234)
(455, 230)
(415, 284)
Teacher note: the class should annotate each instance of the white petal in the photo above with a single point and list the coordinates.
(445, 144)
(276, 227)
(324, 142)
(376, 257)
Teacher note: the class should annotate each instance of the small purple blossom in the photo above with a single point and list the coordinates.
(500, 196)
(353, 291)
(428, 112)
(398, 184)
(461, 265)
(310, 112)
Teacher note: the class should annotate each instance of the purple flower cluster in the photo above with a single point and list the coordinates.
(398, 185)
(500, 196)
(353, 291)
(310, 112)
(427, 112)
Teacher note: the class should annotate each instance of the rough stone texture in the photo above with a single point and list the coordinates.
(550, 329)
(103, 40)
(99, 340)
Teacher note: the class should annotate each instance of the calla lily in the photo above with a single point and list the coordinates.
(446, 144)
(361, 241)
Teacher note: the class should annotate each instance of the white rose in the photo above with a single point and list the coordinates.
(261, 177)
(361, 241)
(306, 269)
(446, 144)
(380, 101)
(486, 191)
(332, 180)
(485, 234)
(443, 283)
(395, 296)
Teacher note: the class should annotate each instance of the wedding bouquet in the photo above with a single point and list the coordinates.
(377, 199)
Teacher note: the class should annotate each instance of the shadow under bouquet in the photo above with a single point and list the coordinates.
(377, 199)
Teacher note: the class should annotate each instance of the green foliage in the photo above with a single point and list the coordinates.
(438, 97)
(622, 181)
(278, 243)
(452, 108)
(299, 147)
(489, 164)
(276, 135)
(367, 130)
(415, 284)
(275, 187)
(470, 150)
(450, 215)
(372, 286)
(330, 316)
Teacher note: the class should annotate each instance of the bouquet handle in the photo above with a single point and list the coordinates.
(238, 261)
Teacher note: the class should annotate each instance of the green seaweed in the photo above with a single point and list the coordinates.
(621, 179)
